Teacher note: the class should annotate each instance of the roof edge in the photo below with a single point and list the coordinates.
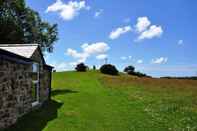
(10, 45)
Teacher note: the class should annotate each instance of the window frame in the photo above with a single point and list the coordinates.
(36, 70)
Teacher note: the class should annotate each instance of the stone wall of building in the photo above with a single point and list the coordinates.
(45, 84)
(16, 90)
(45, 75)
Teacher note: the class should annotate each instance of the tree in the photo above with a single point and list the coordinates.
(129, 69)
(20, 24)
(109, 69)
(94, 67)
(81, 67)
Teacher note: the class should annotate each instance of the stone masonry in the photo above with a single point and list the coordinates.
(16, 88)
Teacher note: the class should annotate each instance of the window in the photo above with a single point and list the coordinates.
(35, 84)
(35, 67)
(35, 91)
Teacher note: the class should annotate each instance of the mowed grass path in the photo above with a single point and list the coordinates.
(90, 101)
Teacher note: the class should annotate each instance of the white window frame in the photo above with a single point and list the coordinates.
(35, 69)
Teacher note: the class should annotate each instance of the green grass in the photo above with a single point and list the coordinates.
(90, 101)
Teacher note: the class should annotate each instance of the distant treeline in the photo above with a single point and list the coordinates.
(188, 78)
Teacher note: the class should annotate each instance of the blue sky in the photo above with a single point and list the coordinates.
(157, 37)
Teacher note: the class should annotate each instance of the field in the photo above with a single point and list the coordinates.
(91, 101)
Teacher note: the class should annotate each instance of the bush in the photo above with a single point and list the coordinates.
(129, 69)
(94, 67)
(81, 67)
(139, 74)
(109, 69)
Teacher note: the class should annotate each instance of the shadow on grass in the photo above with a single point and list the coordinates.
(37, 119)
(62, 92)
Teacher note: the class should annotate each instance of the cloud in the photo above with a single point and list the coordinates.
(139, 61)
(142, 24)
(69, 10)
(80, 56)
(147, 31)
(98, 13)
(119, 31)
(101, 56)
(73, 53)
(153, 31)
(95, 48)
(161, 60)
(180, 42)
(61, 66)
(99, 49)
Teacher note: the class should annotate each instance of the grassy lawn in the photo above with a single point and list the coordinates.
(94, 102)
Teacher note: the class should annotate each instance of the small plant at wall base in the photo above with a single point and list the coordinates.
(109, 69)
(81, 67)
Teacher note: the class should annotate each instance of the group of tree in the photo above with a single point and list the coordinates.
(110, 70)
(20, 24)
(131, 71)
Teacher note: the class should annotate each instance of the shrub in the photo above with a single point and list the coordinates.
(81, 67)
(129, 69)
(94, 67)
(139, 74)
(109, 69)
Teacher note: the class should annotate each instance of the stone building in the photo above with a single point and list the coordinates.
(25, 81)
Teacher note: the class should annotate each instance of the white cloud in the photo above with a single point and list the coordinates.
(99, 49)
(98, 13)
(95, 48)
(119, 31)
(73, 53)
(123, 58)
(130, 57)
(161, 60)
(69, 10)
(61, 66)
(80, 56)
(139, 61)
(101, 56)
(153, 31)
(142, 24)
(146, 30)
(180, 42)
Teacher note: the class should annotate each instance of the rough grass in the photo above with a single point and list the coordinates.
(90, 101)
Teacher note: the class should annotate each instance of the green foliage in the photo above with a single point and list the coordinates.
(94, 67)
(20, 24)
(139, 74)
(81, 67)
(109, 69)
(129, 69)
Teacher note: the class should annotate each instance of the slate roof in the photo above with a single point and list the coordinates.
(20, 53)
(13, 57)
(25, 50)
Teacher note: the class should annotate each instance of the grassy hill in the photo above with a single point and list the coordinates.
(90, 101)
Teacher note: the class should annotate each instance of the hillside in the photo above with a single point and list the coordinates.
(90, 101)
